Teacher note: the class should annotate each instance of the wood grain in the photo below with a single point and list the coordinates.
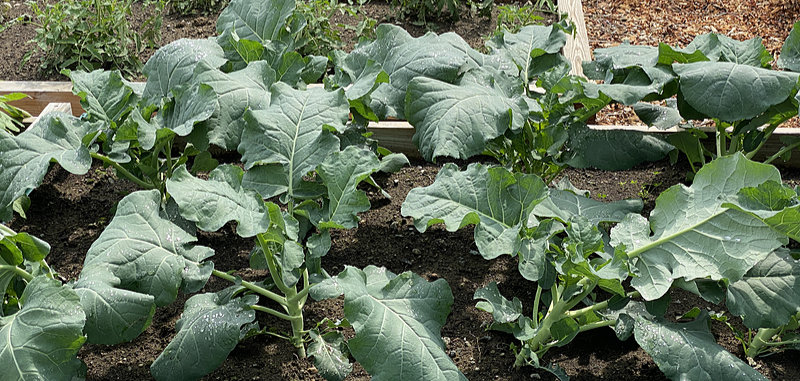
(577, 48)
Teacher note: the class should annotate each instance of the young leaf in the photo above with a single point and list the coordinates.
(25, 158)
(329, 355)
(694, 235)
(688, 351)
(342, 172)
(208, 331)
(773, 203)
(105, 95)
(397, 319)
(221, 198)
(291, 133)
(41, 341)
(502, 309)
(495, 200)
(457, 120)
(769, 294)
(140, 261)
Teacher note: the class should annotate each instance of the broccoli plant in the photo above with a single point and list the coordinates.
(724, 234)
(714, 78)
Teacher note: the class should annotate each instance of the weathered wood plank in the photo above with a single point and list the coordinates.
(577, 48)
(53, 107)
(41, 94)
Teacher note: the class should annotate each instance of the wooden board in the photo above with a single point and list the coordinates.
(41, 94)
(577, 48)
(53, 107)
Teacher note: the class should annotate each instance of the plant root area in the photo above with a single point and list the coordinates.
(70, 212)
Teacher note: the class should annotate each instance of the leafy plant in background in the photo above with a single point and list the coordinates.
(423, 11)
(724, 235)
(319, 36)
(440, 86)
(714, 78)
(192, 7)
(512, 17)
(11, 117)
(92, 34)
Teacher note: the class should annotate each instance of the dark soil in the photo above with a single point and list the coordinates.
(70, 211)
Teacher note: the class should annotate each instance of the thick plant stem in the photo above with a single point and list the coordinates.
(597, 307)
(761, 340)
(16, 270)
(124, 172)
(296, 312)
(252, 287)
(294, 300)
(556, 312)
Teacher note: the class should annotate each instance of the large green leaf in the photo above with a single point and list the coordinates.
(398, 320)
(237, 92)
(403, 58)
(614, 150)
(731, 91)
(208, 331)
(140, 261)
(530, 43)
(41, 341)
(688, 351)
(790, 52)
(173, 65)
(457, 120)
(769, 294)
(342, 172)
(694, 235)
(608, 60)
(294, 133)
(565, 205)
(259, 21)
(105, 95)
(494, 199)
(25, 158)
(212, 203)
(717, 47)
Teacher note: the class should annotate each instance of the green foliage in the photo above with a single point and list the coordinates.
(92, 34)
(193, 7)
(320, 36)
(715, 77)
(423, 11)
(727, 231)
(11, 117)
(512, 18)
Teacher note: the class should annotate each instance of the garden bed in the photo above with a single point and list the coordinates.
(62, 205)
(70, 212)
